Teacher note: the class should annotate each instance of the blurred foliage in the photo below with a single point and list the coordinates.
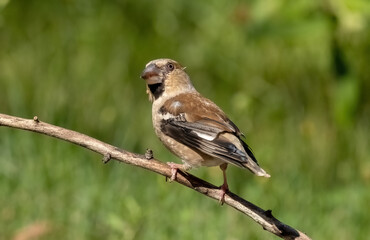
(293, 75)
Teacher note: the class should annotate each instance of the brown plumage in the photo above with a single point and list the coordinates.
(191, 126)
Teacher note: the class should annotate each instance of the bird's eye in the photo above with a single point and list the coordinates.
(170, 66)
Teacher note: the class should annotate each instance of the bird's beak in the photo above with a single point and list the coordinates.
(151, 74)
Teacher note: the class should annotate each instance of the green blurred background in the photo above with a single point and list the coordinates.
(293, 75)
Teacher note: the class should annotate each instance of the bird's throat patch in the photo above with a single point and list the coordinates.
(156, 89)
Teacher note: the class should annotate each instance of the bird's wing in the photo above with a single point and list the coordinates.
(198, 123)
(205, 140)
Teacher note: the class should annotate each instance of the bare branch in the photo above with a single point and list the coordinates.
(262, 217)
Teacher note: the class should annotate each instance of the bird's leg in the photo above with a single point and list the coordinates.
(224, 187)
(175, 167)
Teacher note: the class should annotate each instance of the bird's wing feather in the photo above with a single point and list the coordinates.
(196, 108)
(200, 124)
(204, 139)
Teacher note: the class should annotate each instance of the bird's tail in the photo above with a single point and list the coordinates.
(252, 163)
(254, 168)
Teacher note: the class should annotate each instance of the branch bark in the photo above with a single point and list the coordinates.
(262, 217)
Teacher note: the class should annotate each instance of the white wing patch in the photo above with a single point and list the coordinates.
(167, 116)
(206, 136)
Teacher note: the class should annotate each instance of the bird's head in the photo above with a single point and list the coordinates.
(165, 77)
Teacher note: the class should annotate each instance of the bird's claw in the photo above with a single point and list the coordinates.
(174, 168)
(224, 188)
(173, 174)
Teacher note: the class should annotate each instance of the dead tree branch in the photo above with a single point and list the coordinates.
(262, 217)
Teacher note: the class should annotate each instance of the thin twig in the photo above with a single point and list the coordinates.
(262, 217)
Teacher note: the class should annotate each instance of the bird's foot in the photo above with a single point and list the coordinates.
(174, 168)
(224, 189)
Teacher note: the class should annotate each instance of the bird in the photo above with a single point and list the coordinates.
(193, 127)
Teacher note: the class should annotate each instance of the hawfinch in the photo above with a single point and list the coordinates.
(192, 126)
